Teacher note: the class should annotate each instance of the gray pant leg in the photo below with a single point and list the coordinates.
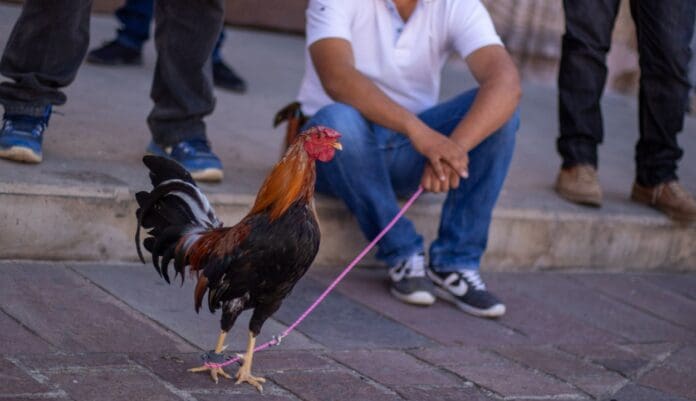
(182, 89)
(43, 54)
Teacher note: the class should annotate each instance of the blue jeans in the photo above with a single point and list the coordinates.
(135, 17)
(378, 165)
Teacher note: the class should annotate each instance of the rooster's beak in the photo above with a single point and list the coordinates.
(337, 146)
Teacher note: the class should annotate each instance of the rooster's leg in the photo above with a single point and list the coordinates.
(244, 373)
(214, 372)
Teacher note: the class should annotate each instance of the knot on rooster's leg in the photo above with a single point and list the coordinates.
(214, 358)
(276, 340)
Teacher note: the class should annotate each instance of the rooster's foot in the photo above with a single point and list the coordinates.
(216, 358)
(244, 376)
(214, 372)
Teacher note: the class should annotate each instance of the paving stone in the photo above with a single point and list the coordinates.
(592, 379)
(16, 339)
(684, 284)
(245, 396)
(57, 361)
(15, 381)
(642, 293)
(512, 380)
(497, 374)
(278, 360)
(452, 356)
(633, 392)
(543, 324)
(334, 386)
(443, 394)
(613, 357)
(395, 368)
(172, 306)
(441, 322)
(74, 315)
(91, 384)
(341, 323)
(593, 307)
(676, 376)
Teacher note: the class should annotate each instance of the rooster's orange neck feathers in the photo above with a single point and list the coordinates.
(291, 179)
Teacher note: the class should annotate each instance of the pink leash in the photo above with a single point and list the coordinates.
(276, 339)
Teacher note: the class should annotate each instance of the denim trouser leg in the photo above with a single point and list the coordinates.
(467, 212)
(581, 78)
(43, 54)
(216, 56)
(377, 164)
(664, 30)
(359, 176)
(182, 88)
(135, 17)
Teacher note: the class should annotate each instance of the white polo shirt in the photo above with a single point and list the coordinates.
(405, 60)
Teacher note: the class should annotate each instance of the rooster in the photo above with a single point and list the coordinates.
(251, 265)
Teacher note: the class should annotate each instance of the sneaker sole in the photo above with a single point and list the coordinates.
(21, 154)
(208, 175)
(495, 311)
(422, 298)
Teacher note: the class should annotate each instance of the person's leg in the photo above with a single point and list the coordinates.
(43, 54)
(581, 78)
(216, 56)
(224, 76)
(455, 255)
(135, 17)
(358, 175)
(466, 214)
(664, 31)
(182, 87)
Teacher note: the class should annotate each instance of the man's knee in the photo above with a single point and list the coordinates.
(338, 115)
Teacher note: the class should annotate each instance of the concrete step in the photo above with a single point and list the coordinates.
(90, 223)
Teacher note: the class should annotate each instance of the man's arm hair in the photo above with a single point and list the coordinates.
(498, 96)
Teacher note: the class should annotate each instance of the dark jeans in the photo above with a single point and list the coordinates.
(135, 17)
(664, 30)
(50, 39)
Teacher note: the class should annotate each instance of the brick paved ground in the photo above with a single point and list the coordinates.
(116, 332)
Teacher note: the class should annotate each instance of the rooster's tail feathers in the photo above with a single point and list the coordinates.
(173, 209)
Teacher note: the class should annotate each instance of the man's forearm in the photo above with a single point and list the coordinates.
(494, 104)
(357, 90)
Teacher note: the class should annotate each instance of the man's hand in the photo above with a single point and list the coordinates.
(448, 161)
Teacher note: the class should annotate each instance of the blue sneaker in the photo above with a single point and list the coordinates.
(195, 155)
(21, 137)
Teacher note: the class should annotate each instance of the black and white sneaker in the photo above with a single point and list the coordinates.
(466, 290)
(409, 283)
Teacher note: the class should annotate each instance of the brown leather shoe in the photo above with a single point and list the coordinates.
(668, 197)
(579, 184)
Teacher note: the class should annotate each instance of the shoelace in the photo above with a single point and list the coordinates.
(415, 267)
(474, 278)
(34, 127)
